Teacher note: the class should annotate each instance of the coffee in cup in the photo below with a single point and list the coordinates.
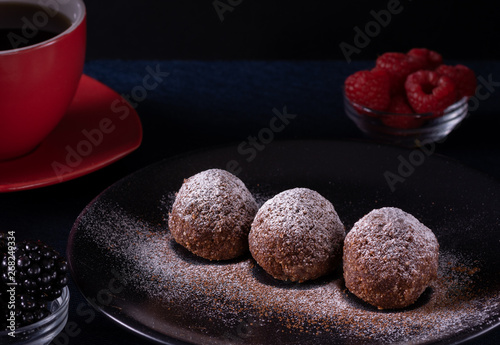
(42, 52)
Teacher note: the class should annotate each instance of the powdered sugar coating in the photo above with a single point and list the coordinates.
(212, 214)
(297, 235)
(389, 258)
(250, 310)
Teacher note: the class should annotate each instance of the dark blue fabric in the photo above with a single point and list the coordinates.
(222, 101)
(200, 104)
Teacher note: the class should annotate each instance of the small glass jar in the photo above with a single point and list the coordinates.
(43, 331)
(409, 130)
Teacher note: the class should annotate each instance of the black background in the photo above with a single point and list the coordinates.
(165, 29)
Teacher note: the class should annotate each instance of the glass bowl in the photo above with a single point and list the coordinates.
(410, 130)
(45, 330)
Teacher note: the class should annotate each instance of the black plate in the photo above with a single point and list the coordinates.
(124, 261)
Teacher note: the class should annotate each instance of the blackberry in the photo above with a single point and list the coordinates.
(3, 288)
(3, 243)
(40, 276)
(27, 310)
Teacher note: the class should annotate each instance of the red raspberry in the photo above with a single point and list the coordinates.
(425, 58)
(402, 121)
(369, 89)
(428, 91)
(463, 77)
(399, 105)
(399, 66)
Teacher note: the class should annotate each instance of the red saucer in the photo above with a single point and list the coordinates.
(99, 128)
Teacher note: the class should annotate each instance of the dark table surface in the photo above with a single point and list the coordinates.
(203, 103)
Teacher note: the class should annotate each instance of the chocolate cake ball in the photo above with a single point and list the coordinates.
(212, 215)
(389, 258)
(297, 236)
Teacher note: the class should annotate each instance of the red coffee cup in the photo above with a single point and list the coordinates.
(38, 81)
